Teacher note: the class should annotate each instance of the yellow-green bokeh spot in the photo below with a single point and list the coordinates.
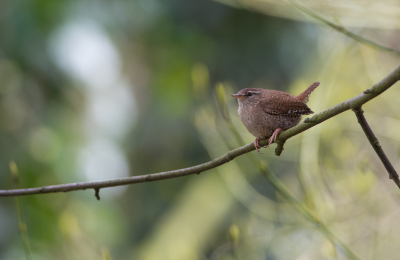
(200, 79)
(45, 145)
(234, 233)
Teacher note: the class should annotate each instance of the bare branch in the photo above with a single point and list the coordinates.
(375, 144)
(355, 102)
(130, 180)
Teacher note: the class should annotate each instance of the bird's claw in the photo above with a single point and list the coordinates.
(257, 145)
(272, 139)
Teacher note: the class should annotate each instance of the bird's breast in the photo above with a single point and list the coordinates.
(262, 125)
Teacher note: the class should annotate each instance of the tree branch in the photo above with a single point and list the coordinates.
(355, 102)
(375, 144)
(229, 156)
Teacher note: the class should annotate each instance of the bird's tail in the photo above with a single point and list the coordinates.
(306, 94)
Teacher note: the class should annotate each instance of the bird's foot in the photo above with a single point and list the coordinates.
(272, 139)
(257, 145)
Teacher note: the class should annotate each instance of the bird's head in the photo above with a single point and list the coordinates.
(249, 96)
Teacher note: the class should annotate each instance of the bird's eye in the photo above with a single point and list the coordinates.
(249, 94)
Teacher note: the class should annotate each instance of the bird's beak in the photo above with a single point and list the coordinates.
(237, 95)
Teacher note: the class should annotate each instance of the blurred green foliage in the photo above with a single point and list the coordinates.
(107, 89)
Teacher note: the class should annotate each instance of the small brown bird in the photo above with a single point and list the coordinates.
(266, 112)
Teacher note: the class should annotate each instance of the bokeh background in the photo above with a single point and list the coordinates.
(96, 90)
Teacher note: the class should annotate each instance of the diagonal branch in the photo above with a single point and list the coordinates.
(229, 156)
(355, 102)
(376, 145)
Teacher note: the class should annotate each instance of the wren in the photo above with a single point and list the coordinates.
(265, 113)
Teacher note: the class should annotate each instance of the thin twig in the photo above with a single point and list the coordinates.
(343, 30)
(357, 101)
(376, 145)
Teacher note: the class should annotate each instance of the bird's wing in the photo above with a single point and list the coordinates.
(281, 103)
